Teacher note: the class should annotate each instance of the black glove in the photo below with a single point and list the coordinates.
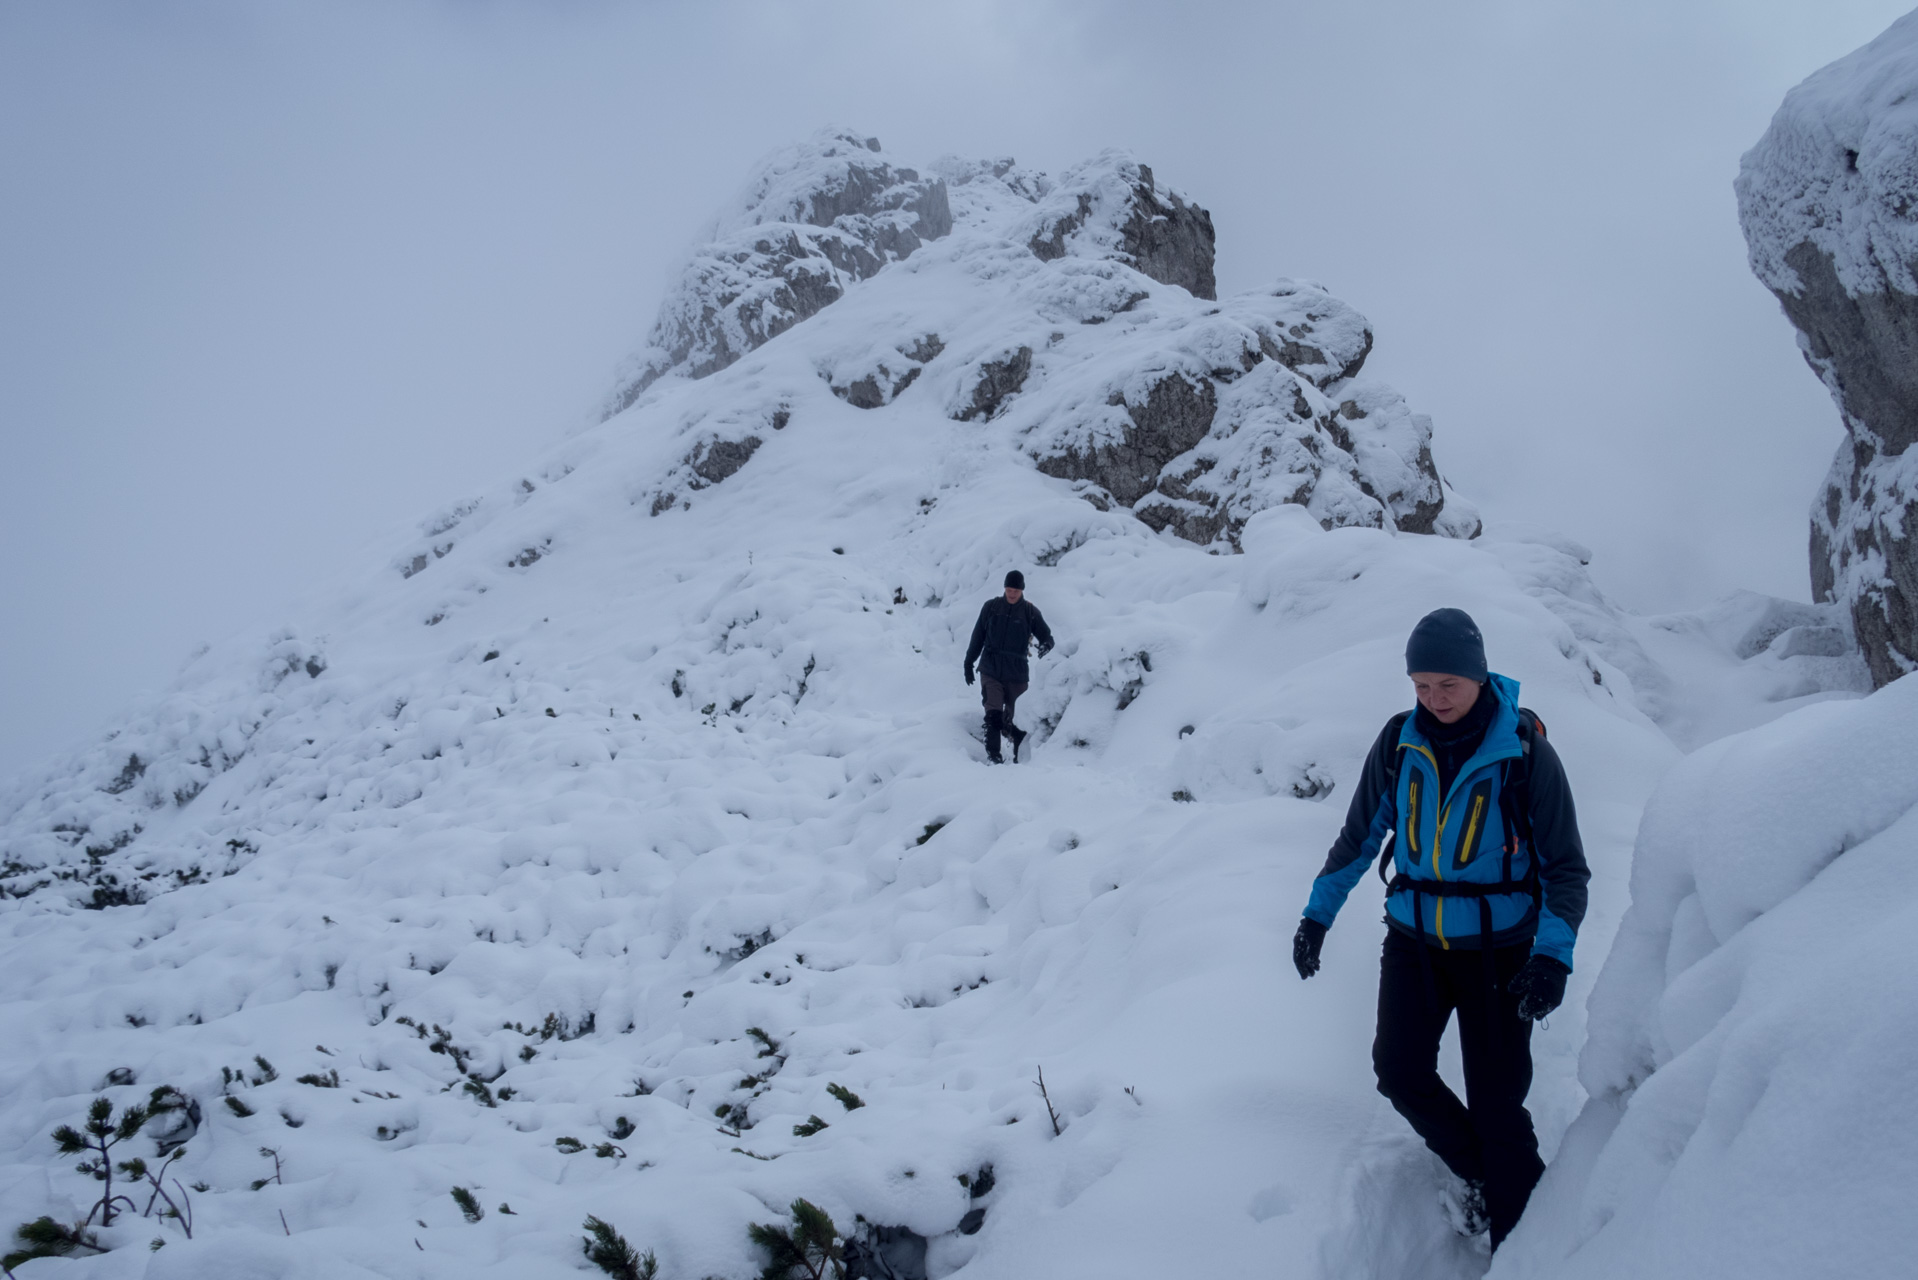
(1540, 987)
(968, 673)
(1045, 647)
(1305, 947)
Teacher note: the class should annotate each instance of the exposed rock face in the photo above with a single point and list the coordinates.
(998, 381)
(1829, 203)
(879, 382)
(816, 218)
(1173, 417)
(1113, 202)
(1258, 403)
(1072, 320)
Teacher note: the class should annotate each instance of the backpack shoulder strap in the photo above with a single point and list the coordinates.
(1515, 796)
(1393, 728)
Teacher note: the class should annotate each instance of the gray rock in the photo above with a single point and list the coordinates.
(999, 380)
(824, 216)
(715, 461)
(1175, 416)
(884, 381)
(886, 1253)
(1153, 229)
(1829, 207)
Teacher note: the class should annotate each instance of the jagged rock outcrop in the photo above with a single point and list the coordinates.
(1113, 204)
(1829, 203)
(815, 218)
(1074, 320)
(1175, 415)
(1257, 402)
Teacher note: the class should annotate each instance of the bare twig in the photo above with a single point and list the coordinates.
(283, 1226)
(271, 1154)
(1056, 1130)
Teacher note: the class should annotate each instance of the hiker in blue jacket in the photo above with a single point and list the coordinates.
(1483, 909)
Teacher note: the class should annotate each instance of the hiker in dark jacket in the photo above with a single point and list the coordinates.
(1483, 910)
(1006, 628)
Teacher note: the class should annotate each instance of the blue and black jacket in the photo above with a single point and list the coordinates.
(1468, 864)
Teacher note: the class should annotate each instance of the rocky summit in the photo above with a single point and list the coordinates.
(1077, 315)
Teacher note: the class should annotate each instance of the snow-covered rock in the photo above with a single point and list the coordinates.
(1077, 314)
(1113, 207)
(1750, 1059)
(813, 219)
(1829, 203)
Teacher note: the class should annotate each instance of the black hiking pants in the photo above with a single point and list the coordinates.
(1488, 1137)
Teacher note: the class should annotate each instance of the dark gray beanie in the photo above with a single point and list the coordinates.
(1447, 641)
(1016, 579)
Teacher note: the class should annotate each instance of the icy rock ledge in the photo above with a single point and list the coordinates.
(1829, 203)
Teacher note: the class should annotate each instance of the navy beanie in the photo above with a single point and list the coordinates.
(1447, 641)
(1016, 579)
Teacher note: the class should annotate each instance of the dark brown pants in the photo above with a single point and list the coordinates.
(1000, 696)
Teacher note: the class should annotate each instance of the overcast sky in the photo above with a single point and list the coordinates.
(276, 278)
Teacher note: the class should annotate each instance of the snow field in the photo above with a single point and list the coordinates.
(1068, 914)
(639, 802)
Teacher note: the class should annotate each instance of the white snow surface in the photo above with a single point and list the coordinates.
(1750, 1067)
(1839, 168)
(615, 771)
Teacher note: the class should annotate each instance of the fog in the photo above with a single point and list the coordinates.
(277, 278)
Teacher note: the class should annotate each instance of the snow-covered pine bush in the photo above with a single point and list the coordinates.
(606, 1249)
(808, 1249)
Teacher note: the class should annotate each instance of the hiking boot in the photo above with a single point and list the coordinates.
(1018, 737)
(1462, 1201)
(992, 737)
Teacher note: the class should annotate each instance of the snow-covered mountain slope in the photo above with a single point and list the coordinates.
(638, 803)
(1750, 1057)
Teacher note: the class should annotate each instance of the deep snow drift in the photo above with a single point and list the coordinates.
(1750, 1055)
(638, 804)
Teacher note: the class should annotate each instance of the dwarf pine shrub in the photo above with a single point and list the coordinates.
(45, 1238)
(809, 1249)
(847, 1098)
(97, 1137)
(607, 1249)
(469, 1204)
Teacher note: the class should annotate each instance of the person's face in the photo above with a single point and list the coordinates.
(1013, 594)
(1447, 697)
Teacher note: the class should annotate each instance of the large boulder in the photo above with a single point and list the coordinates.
(1829, 203)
